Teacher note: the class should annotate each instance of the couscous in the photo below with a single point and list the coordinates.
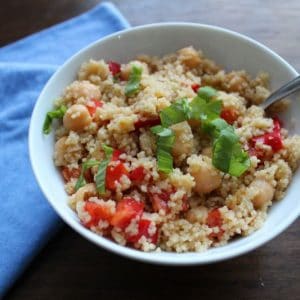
(171, 153)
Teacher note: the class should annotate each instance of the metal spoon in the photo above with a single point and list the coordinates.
(287, 89)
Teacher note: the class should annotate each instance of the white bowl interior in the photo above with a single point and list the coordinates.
(231, 50)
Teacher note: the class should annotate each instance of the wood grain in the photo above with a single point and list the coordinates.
(72, 268)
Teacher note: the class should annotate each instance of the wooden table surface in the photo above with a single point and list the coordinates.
(70, 267)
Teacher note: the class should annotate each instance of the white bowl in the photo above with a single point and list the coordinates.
(232, 50)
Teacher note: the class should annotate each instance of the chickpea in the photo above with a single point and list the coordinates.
(59, 151)
(264, 193)
(77, 117)
(190, 57)
(197, 215)
(83, 194)
(184, 141)
(207, 178)
(125, 71)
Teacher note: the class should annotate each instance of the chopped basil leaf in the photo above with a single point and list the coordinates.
(165, 161)
(186, 108)
(201, 110)
(86, 165)
(51, 115)
(177, 112)
(222, 150)
(165, 141)
(215, 126)
(240, 161)
(206, 93)
(101, 173)
(133, 84)
(100, 177)
(161, 131)
(228, 155)
(107, 150)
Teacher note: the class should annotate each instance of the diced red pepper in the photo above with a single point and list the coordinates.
(138, 174)
(272, 139)
(218, 235)
(127, 209)
(114, 173)
(92, 107)
(114, 67)
(185, 204)
(275, 141)
(214, 219)
(116, 155)
(146, 123)
(195, 87)
(159, 204)
(256, 152)
(143, 230)
(97, 212)
(160, 200)
(229, 115)
(70, 173)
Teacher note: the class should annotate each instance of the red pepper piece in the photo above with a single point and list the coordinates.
(114, 67)
(143, 230)
(160, 200)
(138, 174)
(113, 174)
(97, 212)
(195, 87)
(116, 154)
(127, 209)
(214, 219)
(229, 115)
(92, 108)
(185, 204)
(272, 139)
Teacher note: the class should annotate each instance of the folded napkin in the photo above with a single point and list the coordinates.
(26, 220)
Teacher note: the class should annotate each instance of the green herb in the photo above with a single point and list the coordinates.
(177, 112)
(165, 141)
(133, 84)
(206, 93)
(228, 155)
(107, 150)
(51, 115)
(201, 110)
(86, 165)
(100, 177)
(215, 127)
(161, 131)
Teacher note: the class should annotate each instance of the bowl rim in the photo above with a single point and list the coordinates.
(179, 259)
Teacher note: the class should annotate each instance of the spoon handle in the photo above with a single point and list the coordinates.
(287, 89)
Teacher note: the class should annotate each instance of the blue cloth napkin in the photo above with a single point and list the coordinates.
(26, 220)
